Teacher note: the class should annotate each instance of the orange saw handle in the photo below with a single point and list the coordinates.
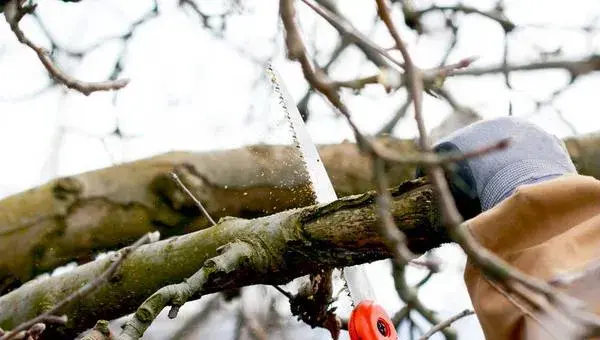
(369, 321)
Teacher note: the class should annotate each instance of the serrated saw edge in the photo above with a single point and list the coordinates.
(279, 93)
(357, 280)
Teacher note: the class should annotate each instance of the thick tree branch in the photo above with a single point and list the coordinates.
(71, 218)
(278, 249)
(83, 291)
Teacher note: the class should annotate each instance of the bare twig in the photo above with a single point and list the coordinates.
(85, 290)
(575, 67)
(549, 102)
(430, 76)
(411, 70)
(499, 17)
(346, 39)
(430, 158)
(414, 76)
(453, 42)
(409, 295)
(392, 236)
(384, 14)
(80, 52)
(14, 12)
(391, 124)
(346, 29)
(442, 325)
(447, 70)
(357, 84)
(191, 195)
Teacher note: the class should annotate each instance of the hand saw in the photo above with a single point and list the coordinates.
(368, 320)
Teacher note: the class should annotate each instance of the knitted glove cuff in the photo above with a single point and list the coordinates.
(527, 171)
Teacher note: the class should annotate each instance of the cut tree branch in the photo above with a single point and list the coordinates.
(278, 248)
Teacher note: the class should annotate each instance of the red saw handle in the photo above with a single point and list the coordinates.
(369, 321)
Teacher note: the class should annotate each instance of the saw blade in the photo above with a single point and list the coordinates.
(358, 282)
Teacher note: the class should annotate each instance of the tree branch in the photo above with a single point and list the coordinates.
(280, 247)
(574, 67)
(14, 12)
(70, 218)
(83, 291)
(446, 323)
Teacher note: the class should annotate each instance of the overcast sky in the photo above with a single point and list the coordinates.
(190, 90)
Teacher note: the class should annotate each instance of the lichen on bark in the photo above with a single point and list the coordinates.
(284, 246)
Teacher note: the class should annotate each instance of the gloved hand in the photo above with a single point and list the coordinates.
(479, 183)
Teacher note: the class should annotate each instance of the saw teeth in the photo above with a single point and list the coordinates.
(284, 105)
(280, 95)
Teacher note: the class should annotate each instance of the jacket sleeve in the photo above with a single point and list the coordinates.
(543, 230)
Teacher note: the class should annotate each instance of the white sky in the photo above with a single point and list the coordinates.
(192, 91)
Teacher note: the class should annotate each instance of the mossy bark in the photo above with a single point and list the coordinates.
(286, 245)
(72, 218)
